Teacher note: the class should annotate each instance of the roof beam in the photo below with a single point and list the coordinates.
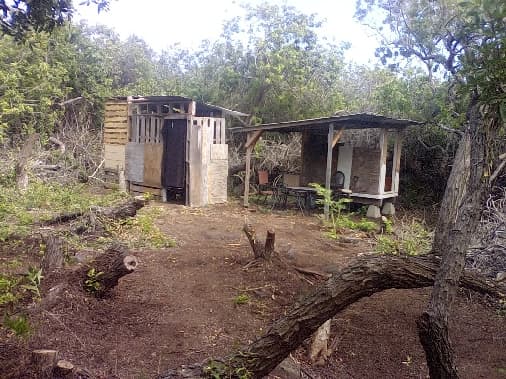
(337, 137)
(253, 138)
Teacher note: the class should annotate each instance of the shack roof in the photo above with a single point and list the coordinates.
(181, 99)
(349, 121)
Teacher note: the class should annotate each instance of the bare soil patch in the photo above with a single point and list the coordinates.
(196, 301)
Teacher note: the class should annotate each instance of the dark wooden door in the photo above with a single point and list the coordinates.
(174, 153)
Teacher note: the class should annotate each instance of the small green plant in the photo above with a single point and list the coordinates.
(91, 284)
(241, 299)
(389, 225)
(387, 245)
(19, 325)
(7, 290)
(411, 238)
(215, 370)
(337, 219)
(219, 370)
(34, 278)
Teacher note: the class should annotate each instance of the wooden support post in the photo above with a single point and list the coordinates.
(329, 166)
(253, 138)
(383, 160)
(337, 137)
(246, 177)
(250, 145)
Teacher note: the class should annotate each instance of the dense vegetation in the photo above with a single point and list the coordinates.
(282, 70)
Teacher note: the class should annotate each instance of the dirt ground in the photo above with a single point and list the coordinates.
(183, 305)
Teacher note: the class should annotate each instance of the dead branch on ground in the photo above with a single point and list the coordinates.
(360, 279)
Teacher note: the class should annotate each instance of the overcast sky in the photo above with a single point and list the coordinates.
(164, 22)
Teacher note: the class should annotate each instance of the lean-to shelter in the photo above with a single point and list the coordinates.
(363, 148)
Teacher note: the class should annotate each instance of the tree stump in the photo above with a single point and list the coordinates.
(264, 251)
(43, 362)
(104, 273)
(53, 256)
(63, 369)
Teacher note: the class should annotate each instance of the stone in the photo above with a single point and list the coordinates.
(388, 209)
(373, 212)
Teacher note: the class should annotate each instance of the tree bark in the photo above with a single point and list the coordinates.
(260, 251)
(43, 362)
(24, 156)
(458, 221)
(361, 279)
(319, 350)
(270, 241)
(53, 257)
(104, 273)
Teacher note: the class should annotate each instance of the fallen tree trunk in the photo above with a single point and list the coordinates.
(104, 273)
(361, 279)
(126, 209)
(236, 169)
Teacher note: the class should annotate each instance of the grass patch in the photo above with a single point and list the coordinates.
(19, 325)
(18, 211)
(241, 299)
(411, 238)
(141, 231)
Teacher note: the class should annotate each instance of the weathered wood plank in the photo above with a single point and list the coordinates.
(134, 162)
(116, 119)
(114, 156)
(153, 153)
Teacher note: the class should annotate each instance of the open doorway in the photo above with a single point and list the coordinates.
(174, 159)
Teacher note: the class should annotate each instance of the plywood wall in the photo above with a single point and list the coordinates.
(153, 153)
(365, 170)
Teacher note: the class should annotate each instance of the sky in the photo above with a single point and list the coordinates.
(162, 23)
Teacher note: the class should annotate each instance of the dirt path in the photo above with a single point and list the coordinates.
(196, 301)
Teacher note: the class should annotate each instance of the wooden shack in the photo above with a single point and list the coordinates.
(364, 148)
(170, 146)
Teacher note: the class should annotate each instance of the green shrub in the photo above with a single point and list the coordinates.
(337, 219)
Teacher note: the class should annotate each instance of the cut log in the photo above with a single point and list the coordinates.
(53, 257)
(123, 210)
(126, 209)
(104, 273)
(233, 170)
(361, 279)
(43, 361)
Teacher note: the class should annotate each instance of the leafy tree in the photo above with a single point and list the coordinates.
(18, 18)
(467, 41)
